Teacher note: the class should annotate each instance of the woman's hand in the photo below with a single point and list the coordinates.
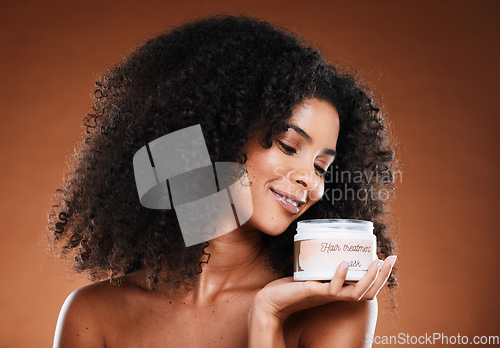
(283, 297)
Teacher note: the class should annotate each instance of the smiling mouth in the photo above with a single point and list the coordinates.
(290, 205)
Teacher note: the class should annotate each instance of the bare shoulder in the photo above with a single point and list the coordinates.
(337, 324)
(85, 314)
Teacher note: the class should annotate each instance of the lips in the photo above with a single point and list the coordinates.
(288, 202)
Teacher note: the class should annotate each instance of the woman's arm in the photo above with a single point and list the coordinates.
(264, 330)
(77, 325)
(340, 324)
(280, 299)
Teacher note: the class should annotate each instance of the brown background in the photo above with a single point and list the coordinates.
(434, 63)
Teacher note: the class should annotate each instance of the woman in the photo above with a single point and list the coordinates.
(270, 102)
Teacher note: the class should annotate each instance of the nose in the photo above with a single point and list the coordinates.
(306, 178)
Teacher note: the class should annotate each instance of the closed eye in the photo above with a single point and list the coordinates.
(319, 170)
(286, 149)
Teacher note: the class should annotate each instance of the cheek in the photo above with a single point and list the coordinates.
(316, 194)
(265, 165)
(281, 175)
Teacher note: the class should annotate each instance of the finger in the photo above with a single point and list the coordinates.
(315, 288)
(356, 291)
(335, 286)
(281, 281)
(379, 283)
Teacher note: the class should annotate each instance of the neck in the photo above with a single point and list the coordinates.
(237, 262)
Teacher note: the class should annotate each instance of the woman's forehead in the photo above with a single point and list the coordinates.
(313, 115)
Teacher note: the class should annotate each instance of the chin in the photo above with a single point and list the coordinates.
(273, 226)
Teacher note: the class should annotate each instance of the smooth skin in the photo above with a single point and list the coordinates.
(239, 301)
(281, 298)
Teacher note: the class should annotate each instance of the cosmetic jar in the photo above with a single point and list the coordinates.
(321, 245)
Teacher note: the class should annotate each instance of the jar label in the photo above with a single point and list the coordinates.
(319, 255)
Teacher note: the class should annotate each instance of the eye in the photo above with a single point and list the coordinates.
(286, 149)
(320, 171)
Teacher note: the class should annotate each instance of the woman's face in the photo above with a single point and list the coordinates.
(287, 179)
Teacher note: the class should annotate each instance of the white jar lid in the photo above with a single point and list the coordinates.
(321, 228)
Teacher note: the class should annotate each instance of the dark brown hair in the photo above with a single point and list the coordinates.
(229, 74)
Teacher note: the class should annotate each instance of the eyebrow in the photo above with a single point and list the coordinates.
(308, 138)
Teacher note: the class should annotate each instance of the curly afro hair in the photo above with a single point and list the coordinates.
(232, 75)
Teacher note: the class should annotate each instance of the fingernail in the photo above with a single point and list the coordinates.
(379, 264)
(346, 264)
(393, 260)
